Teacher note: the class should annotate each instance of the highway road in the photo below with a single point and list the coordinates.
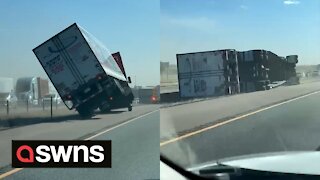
(289, 125)
(135, 145)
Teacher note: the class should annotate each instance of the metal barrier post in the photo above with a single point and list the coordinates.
(43, 105)
(7, 107)
(56, 104)
(51, 106)
(27, 106)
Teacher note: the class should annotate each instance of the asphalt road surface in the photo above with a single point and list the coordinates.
(292, 125)
(135, 145)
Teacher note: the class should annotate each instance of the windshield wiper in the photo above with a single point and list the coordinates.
(183, 172)
(219, 171)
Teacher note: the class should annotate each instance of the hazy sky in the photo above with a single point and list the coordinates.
(282, 26)
(131, 27)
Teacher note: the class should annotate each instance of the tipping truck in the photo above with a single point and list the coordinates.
(209, 73)
(84, 73)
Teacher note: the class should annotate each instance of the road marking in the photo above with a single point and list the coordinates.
(15, 170)
(10, 173)
(234, 119)
(121, 124)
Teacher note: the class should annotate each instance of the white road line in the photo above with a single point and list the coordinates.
(119, 125)
(6, 174)
(234, 119)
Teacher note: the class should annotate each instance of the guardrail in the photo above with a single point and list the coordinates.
(17, 107)
(45, 108)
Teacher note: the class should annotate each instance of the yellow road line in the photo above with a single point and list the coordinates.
(233, 119)
(10, 173)
(91, 137)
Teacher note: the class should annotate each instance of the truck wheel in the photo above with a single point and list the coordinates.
(104, 110)
(130, 108)
(105, 107)
(85, 113)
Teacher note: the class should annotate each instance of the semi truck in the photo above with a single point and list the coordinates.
(7, 91)
(261, 69)
(31, 89)
(149, 94)
(209, 73)
(6, 85)
(253, 70)
(291, 73)
(84, 72)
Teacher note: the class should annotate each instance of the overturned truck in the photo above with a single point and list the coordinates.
(253, 70)
(259, 68)
(225, 72)
(85, 74)
(210, 73)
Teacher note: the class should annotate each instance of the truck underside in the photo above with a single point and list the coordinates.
(113, 94)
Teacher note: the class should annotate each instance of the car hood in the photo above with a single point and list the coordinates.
(301, 162)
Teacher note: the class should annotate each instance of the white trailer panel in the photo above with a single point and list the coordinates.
(201, 74)
(56, 67)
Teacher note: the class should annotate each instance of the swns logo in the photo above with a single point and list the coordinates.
(47, 154)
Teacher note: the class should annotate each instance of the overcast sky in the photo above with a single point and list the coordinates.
(284, 27)
(131, 27)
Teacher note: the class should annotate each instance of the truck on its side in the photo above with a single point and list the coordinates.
(209, 73)
(31, 89)
(84, 72)
(254, 70)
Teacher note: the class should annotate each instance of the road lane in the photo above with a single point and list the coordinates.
(288, 127)
(174, 121)
(135, 153)
(67, 129)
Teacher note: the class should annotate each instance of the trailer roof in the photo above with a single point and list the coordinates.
(207, 51)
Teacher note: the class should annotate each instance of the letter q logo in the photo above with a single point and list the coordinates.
(30, 158)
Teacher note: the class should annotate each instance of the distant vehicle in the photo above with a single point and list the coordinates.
(6, 85)
(149, 95)
(10, 98)
(155, 98)
(31, 89)
(84, 72)
(7, 93)
(56, 100)
(209, 73)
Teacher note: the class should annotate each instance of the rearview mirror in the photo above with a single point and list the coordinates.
(129, 79)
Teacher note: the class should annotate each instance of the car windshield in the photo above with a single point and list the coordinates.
(238, 78)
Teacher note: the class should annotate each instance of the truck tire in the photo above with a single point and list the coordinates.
(130, 108)
(84, 112)
(105, 107)
(104, 110)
